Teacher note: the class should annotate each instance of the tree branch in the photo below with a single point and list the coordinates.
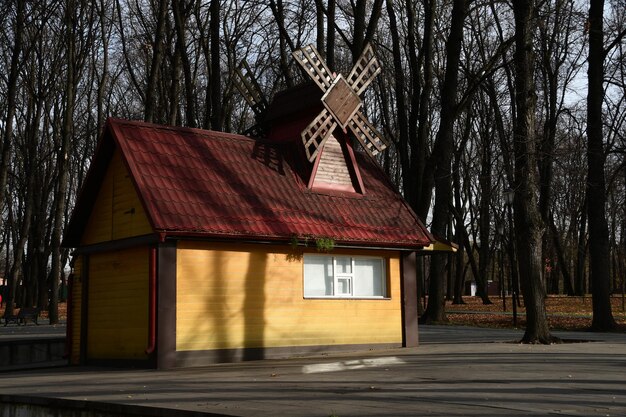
(615, 42)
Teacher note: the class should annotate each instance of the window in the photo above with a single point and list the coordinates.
(344, 276)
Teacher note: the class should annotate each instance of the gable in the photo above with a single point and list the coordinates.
(117, 210)
(331, 171)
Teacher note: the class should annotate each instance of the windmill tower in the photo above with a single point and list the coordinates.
(323, 114)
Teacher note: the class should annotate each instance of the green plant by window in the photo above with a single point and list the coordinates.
(324, 244)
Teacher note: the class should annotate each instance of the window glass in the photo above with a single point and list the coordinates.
(368, 277)
(318, 276)
(343, 276)
(343, 286)
(344, 264)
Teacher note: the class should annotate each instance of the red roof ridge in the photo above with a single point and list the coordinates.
(196, 131)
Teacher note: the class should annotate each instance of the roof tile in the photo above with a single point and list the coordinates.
(219, 184)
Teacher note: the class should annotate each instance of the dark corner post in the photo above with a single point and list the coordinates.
(408, 279)
(166, 305)
(84, 309)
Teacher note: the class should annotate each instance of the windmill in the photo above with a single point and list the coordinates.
(341, 100)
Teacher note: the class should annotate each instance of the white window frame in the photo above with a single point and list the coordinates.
(350, 277)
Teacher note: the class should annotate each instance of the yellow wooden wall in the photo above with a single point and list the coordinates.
(76, 311)
(228, 297)
(117, 316)
(117, 212)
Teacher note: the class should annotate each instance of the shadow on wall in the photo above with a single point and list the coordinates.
(227, 318)
(237, 320)
(254, 307)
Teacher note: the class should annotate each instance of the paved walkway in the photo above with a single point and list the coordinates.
(457, 371)
(31, 330)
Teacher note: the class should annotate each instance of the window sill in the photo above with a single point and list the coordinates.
(346, 298)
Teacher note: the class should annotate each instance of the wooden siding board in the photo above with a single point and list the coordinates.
(332, 169)
(118, 212)
(118, 305)
(233, 296)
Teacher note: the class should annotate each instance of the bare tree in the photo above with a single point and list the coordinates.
(442, 152)
(157, 56)
(596, 186)
(8, 129)
(529, 227)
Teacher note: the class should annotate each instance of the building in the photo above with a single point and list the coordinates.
(196, 247)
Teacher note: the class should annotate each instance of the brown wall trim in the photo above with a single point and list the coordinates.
(84, 308)
(208, 357)
(120, 244)
(408, 280)
(121, 363)
(166, 305)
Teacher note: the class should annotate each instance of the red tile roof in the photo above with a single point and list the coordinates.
(219, 185)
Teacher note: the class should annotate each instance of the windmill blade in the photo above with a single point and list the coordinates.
(364, 70)
(249, 88)
(367, 135)
(316, 133)
(314, 65)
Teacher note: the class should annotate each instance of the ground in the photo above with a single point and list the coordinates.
(44, 314)
(564, 313)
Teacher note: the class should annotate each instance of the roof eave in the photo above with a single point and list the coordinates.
(288, 240)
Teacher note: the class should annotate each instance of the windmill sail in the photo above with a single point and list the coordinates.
(311, 61)
(249, 88)
(341, 100)
(364, 71)
(316, 134)
(367, 134)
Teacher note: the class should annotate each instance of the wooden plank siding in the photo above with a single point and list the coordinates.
(332, 171)
(76, 312)
(250, 296)
(117, 212)
(118, 305)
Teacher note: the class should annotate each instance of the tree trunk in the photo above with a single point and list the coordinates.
(330, 37)
(403, 138)
(180, 23)
(63, 159)
(11, 95)
(18, 251)
(364, 28)
(484, 251)
(443, 150)
(157, 57)
(216, 72)
(567, 279)
(581, 252)
(284, 40)
(596, 188)
(319, 28)
(528, 225)
(423, 176)
(103, 80)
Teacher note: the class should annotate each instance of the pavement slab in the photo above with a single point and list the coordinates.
(456, 371)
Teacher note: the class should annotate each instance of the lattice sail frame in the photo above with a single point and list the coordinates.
(246, 83)
(341, 99)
